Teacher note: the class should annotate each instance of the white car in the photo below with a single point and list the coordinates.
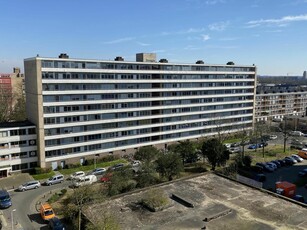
(297, 158)
(273, 137)
(77, 175)
(85, 180)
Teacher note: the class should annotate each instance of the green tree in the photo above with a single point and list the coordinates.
(187, 150)
(247, 161)
(19, 110)
(106, 221)
(76, 201)
(169, 165)
(147, 154)
(121, 181)
(215, 152)
(147, 175)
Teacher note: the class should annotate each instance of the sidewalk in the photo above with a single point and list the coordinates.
(12, 182)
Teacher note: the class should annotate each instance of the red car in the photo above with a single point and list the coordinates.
(106, 177)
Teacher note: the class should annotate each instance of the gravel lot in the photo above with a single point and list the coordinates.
(210, 194)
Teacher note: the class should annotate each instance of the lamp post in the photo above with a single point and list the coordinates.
(12, 218)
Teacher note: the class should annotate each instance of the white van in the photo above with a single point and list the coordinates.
(85, 180)
(296, 133)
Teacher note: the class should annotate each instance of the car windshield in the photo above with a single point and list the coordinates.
(48, 212)
(51, 178)
(5, 198)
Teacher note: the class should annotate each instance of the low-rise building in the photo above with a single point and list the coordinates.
(18, 149)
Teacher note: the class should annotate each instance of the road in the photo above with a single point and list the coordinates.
(25, 204)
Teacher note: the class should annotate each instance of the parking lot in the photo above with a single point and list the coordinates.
(286, 173)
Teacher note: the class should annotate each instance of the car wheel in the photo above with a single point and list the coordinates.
(36, 187)
(23, 190)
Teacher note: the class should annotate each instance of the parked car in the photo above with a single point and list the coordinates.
(85, 180)
(273, 137)
(77, 175)
(5, 199)
(297, 158)
(296, 133)
(257, 168)
(235, 149)
(117, 166)
(291, 158)
(289, 161)
(277, 119)
(299, 198)
(55, 179)
(98, 171)
(56, 224)
(106, 177)
(29, 185)
(272, 165)
(277, 163)
(265, 167)
(303, 173)
(227, 145)
(253, 146)
(46, 211)
(282, 162)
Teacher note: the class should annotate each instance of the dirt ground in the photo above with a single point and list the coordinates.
(243, 208)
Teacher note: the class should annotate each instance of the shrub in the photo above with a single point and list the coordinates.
(42, 170)
(155, 200)
(59, 167)
(108, 158)
(63, 191)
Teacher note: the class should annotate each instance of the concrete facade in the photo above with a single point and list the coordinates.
(87, 107)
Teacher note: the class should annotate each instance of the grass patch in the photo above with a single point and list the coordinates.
(91, 167)
(57, 196)
(270, 153)
(155, 200)
(43, 176)
(197, 167)
(233, 140)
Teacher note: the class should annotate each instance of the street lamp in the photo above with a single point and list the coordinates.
(12, 218)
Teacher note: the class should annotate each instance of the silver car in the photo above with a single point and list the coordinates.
(55, 179)
(29, 185)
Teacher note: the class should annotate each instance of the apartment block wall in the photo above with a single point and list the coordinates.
(87, 107)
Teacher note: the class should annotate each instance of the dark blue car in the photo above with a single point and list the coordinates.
(5, 199)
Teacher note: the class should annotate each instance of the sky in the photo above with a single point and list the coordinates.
(272, 34)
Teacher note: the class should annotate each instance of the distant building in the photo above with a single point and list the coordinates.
(277, 101)
(305, 75)
(12, 85)
(84, 108)
(18, 150)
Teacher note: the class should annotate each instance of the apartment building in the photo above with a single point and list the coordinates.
(89, 108)
(18, 150)
(274, 102)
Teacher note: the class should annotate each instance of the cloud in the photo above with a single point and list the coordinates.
(187, 31)
(229, 39)
(219, 26)
(143, 44)
(120, 40)
(284, 21)
(191, 47)
(214, 2)
(158, 51)
(205, 37)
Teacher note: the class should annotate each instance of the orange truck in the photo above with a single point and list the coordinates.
(302, 153)
(285, 188)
